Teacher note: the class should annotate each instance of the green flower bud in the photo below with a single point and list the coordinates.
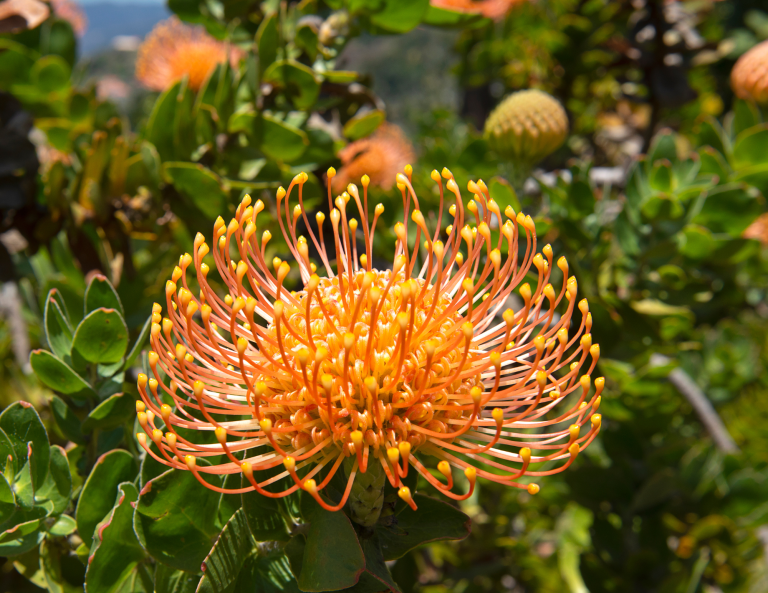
(527, 126)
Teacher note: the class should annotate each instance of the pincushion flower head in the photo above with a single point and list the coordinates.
(371, 373)
(173, 50)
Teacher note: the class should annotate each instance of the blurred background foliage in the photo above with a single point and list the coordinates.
(656, 197)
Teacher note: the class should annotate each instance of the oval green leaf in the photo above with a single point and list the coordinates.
(101, 337)
(116, 559)
(110, 413)
(101, 294)
(100, 489)
(201, 187)
(22, 426)
(59, 376)
(175, 519)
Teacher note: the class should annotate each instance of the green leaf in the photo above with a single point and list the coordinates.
(24, 543)
(170, 580)
(434, 520)
(363, 125)
(138, 344)
(730, 208)
(57, 487)
(7, 456)
(661, 176)
(306, 39)
(442, 17)
(749, 148)
(50, 73)
(330, 567)
(64, 526)
(267, 41)
(299, 82)
(503, 194)
(7, 500)
(101, 337)
(223, 563)
(59, 376)
(281, 141)
(264, 517)
(58, 331)
(266, 573)
(28, 566)
(100, 294)
(110, 413)
(400, 16)
(713, 163)
(175, 519)
(745, 115)
(663, 147)
(116, 559)
(98, 494)
(22, 425)
(16, 61)
(201, 187)
(376, 571)
(341, 76)
(695, 241)
(66, 420)
(62, 572)
(160, 131)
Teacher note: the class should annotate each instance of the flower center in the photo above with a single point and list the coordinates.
(394, 347)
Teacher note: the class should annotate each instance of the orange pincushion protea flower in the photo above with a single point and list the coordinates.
(381, 157)
(749, 77)
(367, 370)
(173, 50)
(493, 9)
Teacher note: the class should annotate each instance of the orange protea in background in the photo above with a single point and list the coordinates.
(494, 9)
(173, 50)
(749, 77)
(72, 12)
(380, 156)
(758, 230)
(367, 372)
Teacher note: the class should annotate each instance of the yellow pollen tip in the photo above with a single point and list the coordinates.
(393, 454)
(471, 474)
(405, 493)
(444, 468)
(221, 434)
(290, 464)
(533, 489)
(191, 461)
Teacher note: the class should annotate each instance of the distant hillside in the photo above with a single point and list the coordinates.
(107, 20)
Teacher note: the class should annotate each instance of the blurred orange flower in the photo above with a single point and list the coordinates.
(758, 230)
(173, 50)
(493, 9)
(749, 77)
(380, 156)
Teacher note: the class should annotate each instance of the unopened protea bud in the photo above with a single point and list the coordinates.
(367, 495)
(527, 126)
(749, 77)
